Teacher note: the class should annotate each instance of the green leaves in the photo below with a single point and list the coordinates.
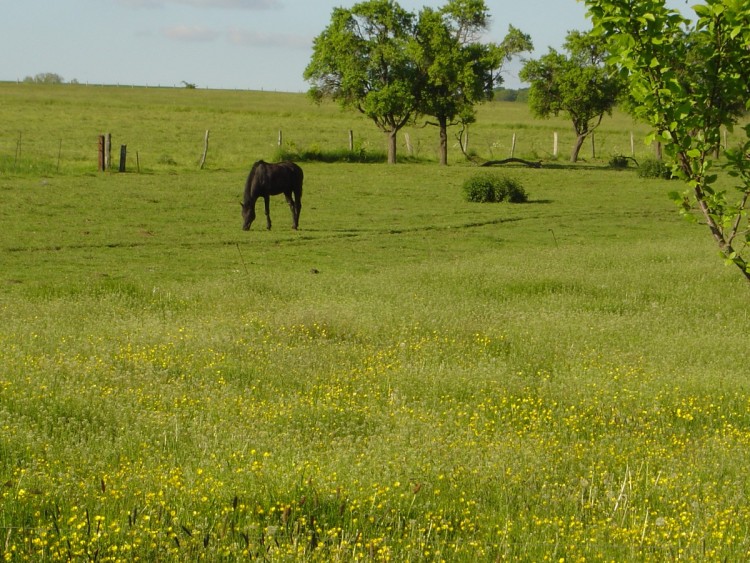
(579, 84)
(393, 66)
(688, 81)
(455, 70)
(362, 61)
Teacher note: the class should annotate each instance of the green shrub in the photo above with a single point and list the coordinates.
(618, 161)
(653, 168)
(488, 188)
(360, 154)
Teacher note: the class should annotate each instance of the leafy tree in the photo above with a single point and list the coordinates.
(579, 85)
(457, 71)
(363, 61)
(687, 104)
(45, 78)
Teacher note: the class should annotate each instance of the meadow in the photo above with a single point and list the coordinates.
(408, 377)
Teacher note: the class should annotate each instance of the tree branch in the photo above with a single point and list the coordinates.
(528, 163)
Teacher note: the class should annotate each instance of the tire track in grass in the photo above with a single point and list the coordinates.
(328, 234)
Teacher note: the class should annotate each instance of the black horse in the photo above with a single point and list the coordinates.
(267, 179)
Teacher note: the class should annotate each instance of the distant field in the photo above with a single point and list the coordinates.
(55, 129)
(409, 377)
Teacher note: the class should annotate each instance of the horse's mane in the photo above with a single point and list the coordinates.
(251, 176)
(255, 167)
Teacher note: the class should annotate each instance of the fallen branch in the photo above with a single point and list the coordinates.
(519, 160)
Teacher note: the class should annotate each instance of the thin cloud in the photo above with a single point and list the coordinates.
(248, 38)
(190, 33)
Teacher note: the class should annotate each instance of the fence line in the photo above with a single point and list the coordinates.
(21, 151)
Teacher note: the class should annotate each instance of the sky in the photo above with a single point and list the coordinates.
(223, 44)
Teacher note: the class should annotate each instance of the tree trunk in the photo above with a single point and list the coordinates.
(577, 148)
(725, 246)
(443, 151)
(392, 140)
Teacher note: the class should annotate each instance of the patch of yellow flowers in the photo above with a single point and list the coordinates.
(428, 447)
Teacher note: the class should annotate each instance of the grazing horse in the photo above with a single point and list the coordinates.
(267, 179)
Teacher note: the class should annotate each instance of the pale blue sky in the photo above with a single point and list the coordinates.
(245, 44)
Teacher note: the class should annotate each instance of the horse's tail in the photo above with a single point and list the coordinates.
(298, 177)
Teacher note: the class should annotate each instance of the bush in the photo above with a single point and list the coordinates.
(315, 154)
(489, 188)
(618, 161)
(653, 168)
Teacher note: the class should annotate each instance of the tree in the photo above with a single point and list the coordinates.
(362, 60)
(456, 70)
(44, 78)
(579, 85)
(687, 104)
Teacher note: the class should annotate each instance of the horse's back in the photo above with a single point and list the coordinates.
(267, 178)
(285, 177)
(295, 174)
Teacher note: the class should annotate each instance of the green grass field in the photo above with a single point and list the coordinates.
(408, 377)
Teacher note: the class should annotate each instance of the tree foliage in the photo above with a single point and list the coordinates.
(688, 79)
(44, 78)
(456, 70)
(394, 66)
(578, 84)
(363, 60)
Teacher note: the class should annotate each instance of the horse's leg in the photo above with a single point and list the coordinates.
(298, 205)
(293, 209)
(267, 201)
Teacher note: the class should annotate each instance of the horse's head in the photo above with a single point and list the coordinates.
(248, 216)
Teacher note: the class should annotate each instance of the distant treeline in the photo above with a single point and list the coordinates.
(47, 78)
(510, 95)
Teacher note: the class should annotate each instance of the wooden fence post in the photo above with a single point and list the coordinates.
(593, 145)
(101, 153)
(513, 146)
(351, 140)
(280, 138)
(123, 157)
(18, 150)
(205, 150)
(554, 144)
(107, 151)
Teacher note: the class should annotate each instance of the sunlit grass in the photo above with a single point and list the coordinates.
(289, 441)
(410, 377)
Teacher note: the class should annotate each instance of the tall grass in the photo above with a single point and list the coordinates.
(409, 377)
